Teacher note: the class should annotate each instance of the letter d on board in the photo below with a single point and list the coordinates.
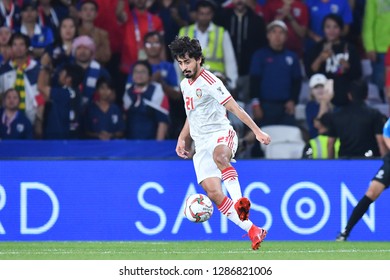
(25, 187)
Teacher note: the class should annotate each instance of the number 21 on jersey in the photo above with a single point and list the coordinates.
(190, 103)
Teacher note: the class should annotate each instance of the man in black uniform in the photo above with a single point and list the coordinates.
(379, 183)
(358, 127)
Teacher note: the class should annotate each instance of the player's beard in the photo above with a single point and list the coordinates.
(188, 74)
(191, 74)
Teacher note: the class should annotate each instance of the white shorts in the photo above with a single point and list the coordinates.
(204, 164)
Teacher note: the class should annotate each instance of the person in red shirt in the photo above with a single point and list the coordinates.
(295, 15)
(138, 22)
(106, 19)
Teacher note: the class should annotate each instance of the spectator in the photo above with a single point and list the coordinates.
(254, 5)
(103, 119)
(5, 50)
(106, 19)
(164, 73)
(146, 105)
(215, 42)
(14, 124)
(83, 50)
(248, 34)
(9, 14)
(295, 15)
(376, 39)
(358, 127)
(174, 15)
(335, 58)
(67, 7)
(319, 103)
(40, 36)
(137, 23)
(88, 12)
(58, 53)
(62, 114)
(319, 9)
(50, 15)
(21, 73)
(218, 9)
(275, 79)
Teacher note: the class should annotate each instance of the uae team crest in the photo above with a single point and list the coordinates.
(198, 92)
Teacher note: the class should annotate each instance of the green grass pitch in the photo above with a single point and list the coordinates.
(199, 250)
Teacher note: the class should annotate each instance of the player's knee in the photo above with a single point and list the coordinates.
(222, 160)
(216, 196)
(373, 194)
(375, 190)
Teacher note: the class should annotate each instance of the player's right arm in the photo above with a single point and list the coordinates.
(181, 150)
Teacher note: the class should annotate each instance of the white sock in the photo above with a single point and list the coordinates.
(230, 180)
(227, 208)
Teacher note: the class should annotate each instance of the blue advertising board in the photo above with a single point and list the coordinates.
(144, 200)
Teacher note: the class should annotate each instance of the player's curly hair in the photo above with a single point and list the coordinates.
(185, 45)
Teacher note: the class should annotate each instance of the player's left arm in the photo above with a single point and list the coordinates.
(233, 107)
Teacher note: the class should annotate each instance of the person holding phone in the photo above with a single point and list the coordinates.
(318, 111)
(336, 58)
(321, 94)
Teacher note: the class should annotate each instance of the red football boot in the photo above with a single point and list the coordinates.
(242, 207)
(257, 236)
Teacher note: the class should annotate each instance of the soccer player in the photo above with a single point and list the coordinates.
(379, 183)
(206, 100)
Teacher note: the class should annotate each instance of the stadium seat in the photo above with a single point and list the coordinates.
(286, 142)
(300, 112)
(366, 68)
(383, 108)
(304, 95)
(373, 95)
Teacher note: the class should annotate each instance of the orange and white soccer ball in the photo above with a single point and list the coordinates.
(199, 208)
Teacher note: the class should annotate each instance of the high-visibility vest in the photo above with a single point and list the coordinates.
(319, 146)
(213, 53)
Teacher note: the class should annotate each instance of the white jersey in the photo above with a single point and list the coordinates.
(203, 101)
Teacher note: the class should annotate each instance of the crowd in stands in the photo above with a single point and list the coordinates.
(101, 69)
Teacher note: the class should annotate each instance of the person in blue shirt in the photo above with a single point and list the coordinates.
(14, 123)
(103, 118)
(275, 79)
(378, 184)
(40, 36)
(50, 14)
(9, 14)
(63, 105)
(146, 105)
